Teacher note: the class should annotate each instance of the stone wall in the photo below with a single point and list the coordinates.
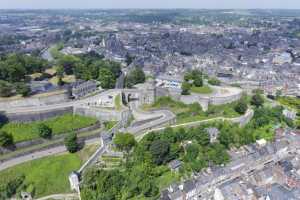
(103, 114)
(38, 115)
(224, 99)
(44, 99)
(244, 119)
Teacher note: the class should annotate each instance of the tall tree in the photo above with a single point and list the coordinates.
(106, 78)
(185, 87)
(160, 151)
(135, 76)
(257, 100)
(71, 142)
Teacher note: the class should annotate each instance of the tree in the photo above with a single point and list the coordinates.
(198, 81)
(124, 141)
(5, 89)
(71, 142)
(185, 87)
(135, 76)
(217, 154)
(192, 151)
(257, 100)
(129, 59)
(241, 107)
(23, 89)
(106, 78)
(159, 150)
(6, 139)
(10, 185)
(69, 62)
(44, 131)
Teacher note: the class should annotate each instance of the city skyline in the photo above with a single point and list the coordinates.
(143, 4)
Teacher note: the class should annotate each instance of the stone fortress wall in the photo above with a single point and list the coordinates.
(220, 96)
(42, 99)
(38, 115)
(102, 114)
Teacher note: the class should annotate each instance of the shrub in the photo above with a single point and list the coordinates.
(214, 81)
(71, 142)
(185, 88)
(198, 81)
(44, 131)
(5, 139)
(241, 107)
(23, 89)
(10, 185)
(5, 89)
(257, 100)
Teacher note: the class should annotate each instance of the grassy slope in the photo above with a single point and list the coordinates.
(187, 113)
(49, 175)
(290, 102)
(59, 125)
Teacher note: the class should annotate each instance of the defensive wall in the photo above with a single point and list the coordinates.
(38, 115)
(37, 100)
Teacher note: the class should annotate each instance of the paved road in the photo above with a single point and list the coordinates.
(40, 154)
(155, 119)
(60, 197)
(120, 81)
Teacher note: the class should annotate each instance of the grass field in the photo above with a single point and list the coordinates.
(49, 175)
(201, 90)
(291, 102)
(65, 123)
(118, 102)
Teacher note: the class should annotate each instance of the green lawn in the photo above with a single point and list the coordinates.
(65, 123)
(202, 90)
(49, 175)
(118, 103)
(291, 102)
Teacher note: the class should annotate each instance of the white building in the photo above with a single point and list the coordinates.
(166, 81)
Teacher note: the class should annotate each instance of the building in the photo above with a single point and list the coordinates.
(40, 86)
(283, 58)
(166, 81)
(175, 165)
(190, 190)
(213, 134)
(82, 88)
(74, 181)
(289, 114)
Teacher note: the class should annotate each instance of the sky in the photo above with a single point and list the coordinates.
(164, 4)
